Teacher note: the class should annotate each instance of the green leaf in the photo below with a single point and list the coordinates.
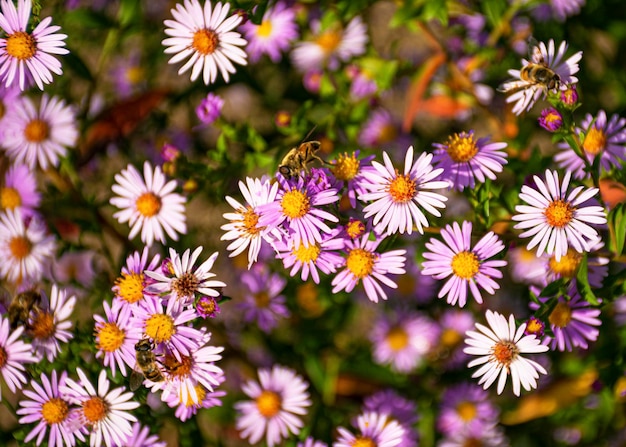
(582, 281)
(617, 228)
(436, 10)
(88, 19)
(553, 288)
(546, 309)
(75, 63)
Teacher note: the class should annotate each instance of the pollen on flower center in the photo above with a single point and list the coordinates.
(9, 197)
(364, 441)
(160, 327)
(387, 134)
(268, 403)
(37, 131)
(111, 337)
(306, 253)
(130, 287)
(186, 285)
(176, 368)
(567, 266)
(402, 189)
(462, 147)
(595, 141)
(559, 213)
(55, 411)
(264, 29)
(262, 299)
(19, 247)
(205, 41)
(43, 325)
(355, 228)
(21, 45)
(329, 40)
(295, 204)
(465, 265)
(561, 315)
(200, 392)
(360, 262)
(505, 352)
(148, 204)
(249, 222)
(3, 357)
(95, 409)
(397, 338)
(450, 338)
(3, 109)
(466, 410)
(346, 167)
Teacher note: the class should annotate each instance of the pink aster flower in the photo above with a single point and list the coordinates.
(103, 413)
(550, 119)
(50, 409)
(465, 159)
(485, 436)
(500, 348)
(15, 354)
(205, 36)
(557, 219)
(273, 35)
(373, 428)
(209, 109)
(363, 263)
(206, 399)
(19, 190)
(311, 442)
(130, 287)
(398, 201)
(453, 324)
(466, 406)
(297, 209)
(382, 130)
(40, 136)
(149, 204)
(141, 437)
(397, 408)
(278, 401)
(601, 137)
(21, 51)
(466, 266)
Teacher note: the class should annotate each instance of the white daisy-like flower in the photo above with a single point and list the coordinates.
(395, 197)
(187, 281)
(205, 35)
(500, 348)
(557, 219)
(556, 73)
(149, 204)
(25, 249)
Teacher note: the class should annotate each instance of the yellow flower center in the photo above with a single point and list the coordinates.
(360, 262)
(461, 148)
(561, 315)
(95, 409)
(355, 228)
(388, 133)
(160, 327)
(9, 198)
(36, 131)
(504, 352)
(54, 411)
(307, 253)
(268, 403)
(135, 75)
(264, 29)
(130, 287)
(148, 204)
(3, 357)
(2, 109)
(186, 285)
(43, 325)
(110, 337)
(559, 213)
(206, 307)
(176, 368)
(595, 141)
(450, 338)
(534, 326)
(397, 338)
(346, 167)
(200, 392)
(466, 410)
(205, 41)
(307, 297)
(329, 41)
(19, 247)
(249, 222)
(295, 204)
(567, 266)
(364, 441)
(21, 45)
(262, 299)
(465, 265)
(402, 189)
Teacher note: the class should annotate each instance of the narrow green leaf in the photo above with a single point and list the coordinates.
(617, 228)
(75, 63)
(582, 281)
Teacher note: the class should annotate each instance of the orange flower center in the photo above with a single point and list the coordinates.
(264, 29)
(160, 327)
(567, 266)
(360, 262)
(461, 148)
(595, 141)
(397, 338)
(148, 204)
(110, 337)
(364, 441)
(346, 167)
(262, 299)
(36, 131)
(205, 41)
(402, 189)
(505, 352)
(559, 213)
(329, 41)
(186, 285)
(465, 265)
(561, 315)
(43, 325)
(467, 411)
(306, 253)
(9, 197)
(19, 247)
(54, 411)
(21, 45)
(130, 287)
(295, 204)
(95, 409)
(176, 368)
(268, 403)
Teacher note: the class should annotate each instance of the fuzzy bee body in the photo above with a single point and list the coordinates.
(298, 158)
(147, 366)
(535, 73)
(21, 306)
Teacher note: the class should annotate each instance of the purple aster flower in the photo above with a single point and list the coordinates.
(274, 35)
(525, 265)
(363, 263)
(19, 190)
(466, 267)
(491, 436)
(569, 96)
(381, 130)
(207, 307)
(278, 401)
(395, 197)
(403, 340)
(524, 91)
(14, 355)
(534, 326)
(205, 399)
(373, 428)
(25, 55)
(362, 86)
(50, 409)
(141, 437)
(453, 324)
(464, 159)
(297, 209)
(311, 442)
(312, 80)
(604, 138)
(262, 301)
(550, 119)
(466, 406)
(557, 219)
(398, 408)
(209, 109)
(128, 74)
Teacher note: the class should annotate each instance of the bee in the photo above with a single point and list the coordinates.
(298, 158)
(535, 73)
(147, 365)
(21, 306)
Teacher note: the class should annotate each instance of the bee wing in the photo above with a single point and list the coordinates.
(136, 379)
(513, 86)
